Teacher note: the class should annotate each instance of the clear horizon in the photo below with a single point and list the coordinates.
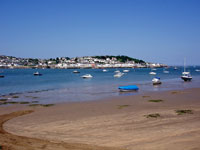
(154, 31)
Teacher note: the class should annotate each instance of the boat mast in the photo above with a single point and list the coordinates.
(184, 64)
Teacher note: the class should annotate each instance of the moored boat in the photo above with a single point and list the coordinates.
(118, 75)
(175, 68)
(152, 73)
(186, 76)
(197, 70)
(76, 71)
(165, 71)
(128, 88)
(104, 70)
(87, 76)
(37, 74)
(126, 70)
(156, 81)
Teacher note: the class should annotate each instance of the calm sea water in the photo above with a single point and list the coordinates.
(60, 85)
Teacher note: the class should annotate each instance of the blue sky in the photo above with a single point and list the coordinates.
(163, 31)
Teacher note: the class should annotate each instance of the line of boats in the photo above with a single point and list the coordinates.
(186, 76)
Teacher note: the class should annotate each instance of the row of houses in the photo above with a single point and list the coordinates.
(66, 63)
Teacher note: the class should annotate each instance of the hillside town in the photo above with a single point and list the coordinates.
(76, 62)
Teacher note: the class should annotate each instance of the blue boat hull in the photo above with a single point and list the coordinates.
(128, 88)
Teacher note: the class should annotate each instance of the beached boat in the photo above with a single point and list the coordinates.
(156, 81)
(128, 88)
(87, 76)
(76, 71)
(126, 70)
(152, 73)
(118, 75)
(37, 74)
(186, 76)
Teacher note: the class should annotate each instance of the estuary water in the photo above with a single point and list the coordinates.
(62, 85)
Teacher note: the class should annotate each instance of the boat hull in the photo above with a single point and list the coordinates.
(128, 88)
(157, 83)
(37, 74)
(1, 76)
(186, 78)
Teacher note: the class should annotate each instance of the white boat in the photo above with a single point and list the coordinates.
(37, 74)
(117, 71)
(152, 73)
(76, 71)
(186, 76)
(175, 68)
(197, 70)
(156, 81)
(118, 75)
(104, 70)
(87, 76)
(165, 71)
(126, 70)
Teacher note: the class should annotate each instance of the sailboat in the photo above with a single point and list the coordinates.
(186, 76)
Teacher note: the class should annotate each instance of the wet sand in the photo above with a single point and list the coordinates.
(121, 122)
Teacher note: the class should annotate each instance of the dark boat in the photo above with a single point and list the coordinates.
(1, 76)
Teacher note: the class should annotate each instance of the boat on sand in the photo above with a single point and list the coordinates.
(128, 88)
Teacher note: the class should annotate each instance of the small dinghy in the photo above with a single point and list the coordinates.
(197, 70)
(126, 70)
(104, 70)
(76, 71)
(128, 88)
(87, 76)
(37, 74)
(152, 73)
(118, 75)
(156, 81)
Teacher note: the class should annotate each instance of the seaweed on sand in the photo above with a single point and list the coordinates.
(3, 99)
(15, 96)
(44, 105)
(156, 115)
(122, 106)
(47, 105)
(146, 96)
(183, 111)
(155, 100)
(24, 102)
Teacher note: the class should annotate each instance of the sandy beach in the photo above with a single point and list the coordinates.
(150, 121)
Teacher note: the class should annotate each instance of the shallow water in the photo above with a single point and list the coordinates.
(61, 85)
